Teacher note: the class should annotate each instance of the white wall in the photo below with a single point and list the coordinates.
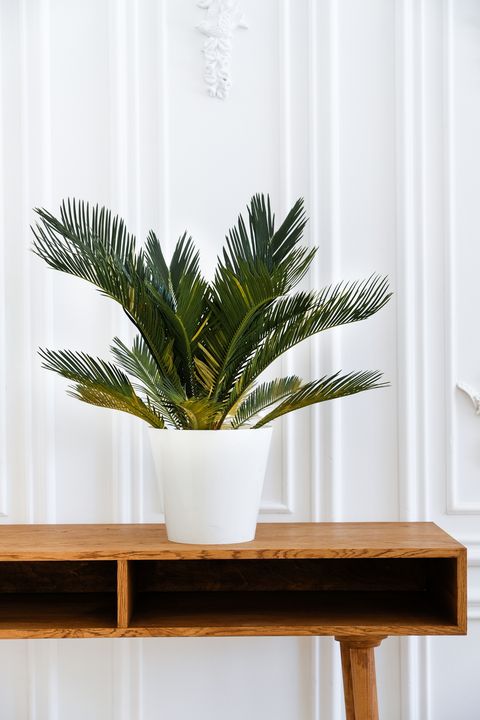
(370, 110)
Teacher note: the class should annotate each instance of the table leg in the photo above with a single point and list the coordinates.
(359, 683)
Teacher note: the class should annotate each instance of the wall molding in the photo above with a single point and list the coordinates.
(122, 445)
(4, 510)
(473, 608)
(411, 323)
(285, 506)
(455, 504)
(473, 561)
(43, 315)
(326, 421)
(325, 437)
(472, 543)
(27, 421)
(40, 478)
(43, 681)
(127, 664)
(127, 437)
(410, 61)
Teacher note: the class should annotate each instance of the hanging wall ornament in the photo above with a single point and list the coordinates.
(223, 18)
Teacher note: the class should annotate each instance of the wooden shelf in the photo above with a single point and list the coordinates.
(272, 540)
(289, 613)
(352, 579)
(56, 611)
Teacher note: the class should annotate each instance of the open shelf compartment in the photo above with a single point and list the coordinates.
(290, 596)
(57, 594)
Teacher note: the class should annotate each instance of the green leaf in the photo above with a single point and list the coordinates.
(139, 363)
(285, 327)
(100, 383)
(263, 396)
(259, 265)
(93, 245)
(327, 388)
(185, 291)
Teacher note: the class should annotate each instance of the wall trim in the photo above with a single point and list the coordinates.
(313, 12)
(472, 543)
(42, 656)
(325, 437)
(27, 294)
(43, 681)
(4, 509)
(473, 608)
(127, 459)
(411, 323)
(412, 467)
(326, 421)
(47, 505)
(122, 449)
(455, 505)
(287, 425)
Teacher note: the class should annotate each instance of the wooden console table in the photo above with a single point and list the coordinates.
(359, 582)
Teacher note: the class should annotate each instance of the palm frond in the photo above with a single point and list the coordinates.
(285, 310)
(158, 268)
(334, 306)
(100, 383)
(291, 258)
(182, 282)
(92, 244)
(264, 396)
(258, 266)
(327, 388)
(139, 363)
(89, 243)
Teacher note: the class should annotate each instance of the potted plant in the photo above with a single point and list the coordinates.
(197, 360)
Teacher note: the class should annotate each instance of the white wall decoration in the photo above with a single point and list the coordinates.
(223, 18)
(472, 394)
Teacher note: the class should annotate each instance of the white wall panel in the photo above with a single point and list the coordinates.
(370, 111)
(366, 237)
(80, 112)
(273, 683)
(85, 680)
(13, 668)
(462, 55)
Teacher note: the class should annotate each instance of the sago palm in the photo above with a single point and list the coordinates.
(201, 346)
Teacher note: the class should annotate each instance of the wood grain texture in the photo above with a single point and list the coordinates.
(273, 540)
(405, 574)
(58, 576)
(51, 611)
(110, 630)
(353, 579)
(347, 682)
(125, 592)
(359, 681)
(461, 585)
(296, 613)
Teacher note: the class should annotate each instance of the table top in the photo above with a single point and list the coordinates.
(273, 540)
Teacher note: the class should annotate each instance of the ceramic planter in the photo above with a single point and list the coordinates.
(211, 482)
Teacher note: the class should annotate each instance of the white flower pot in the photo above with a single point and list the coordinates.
(211, 481)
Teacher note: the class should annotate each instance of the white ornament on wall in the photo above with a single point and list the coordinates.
(223, 18)
(472, 394)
